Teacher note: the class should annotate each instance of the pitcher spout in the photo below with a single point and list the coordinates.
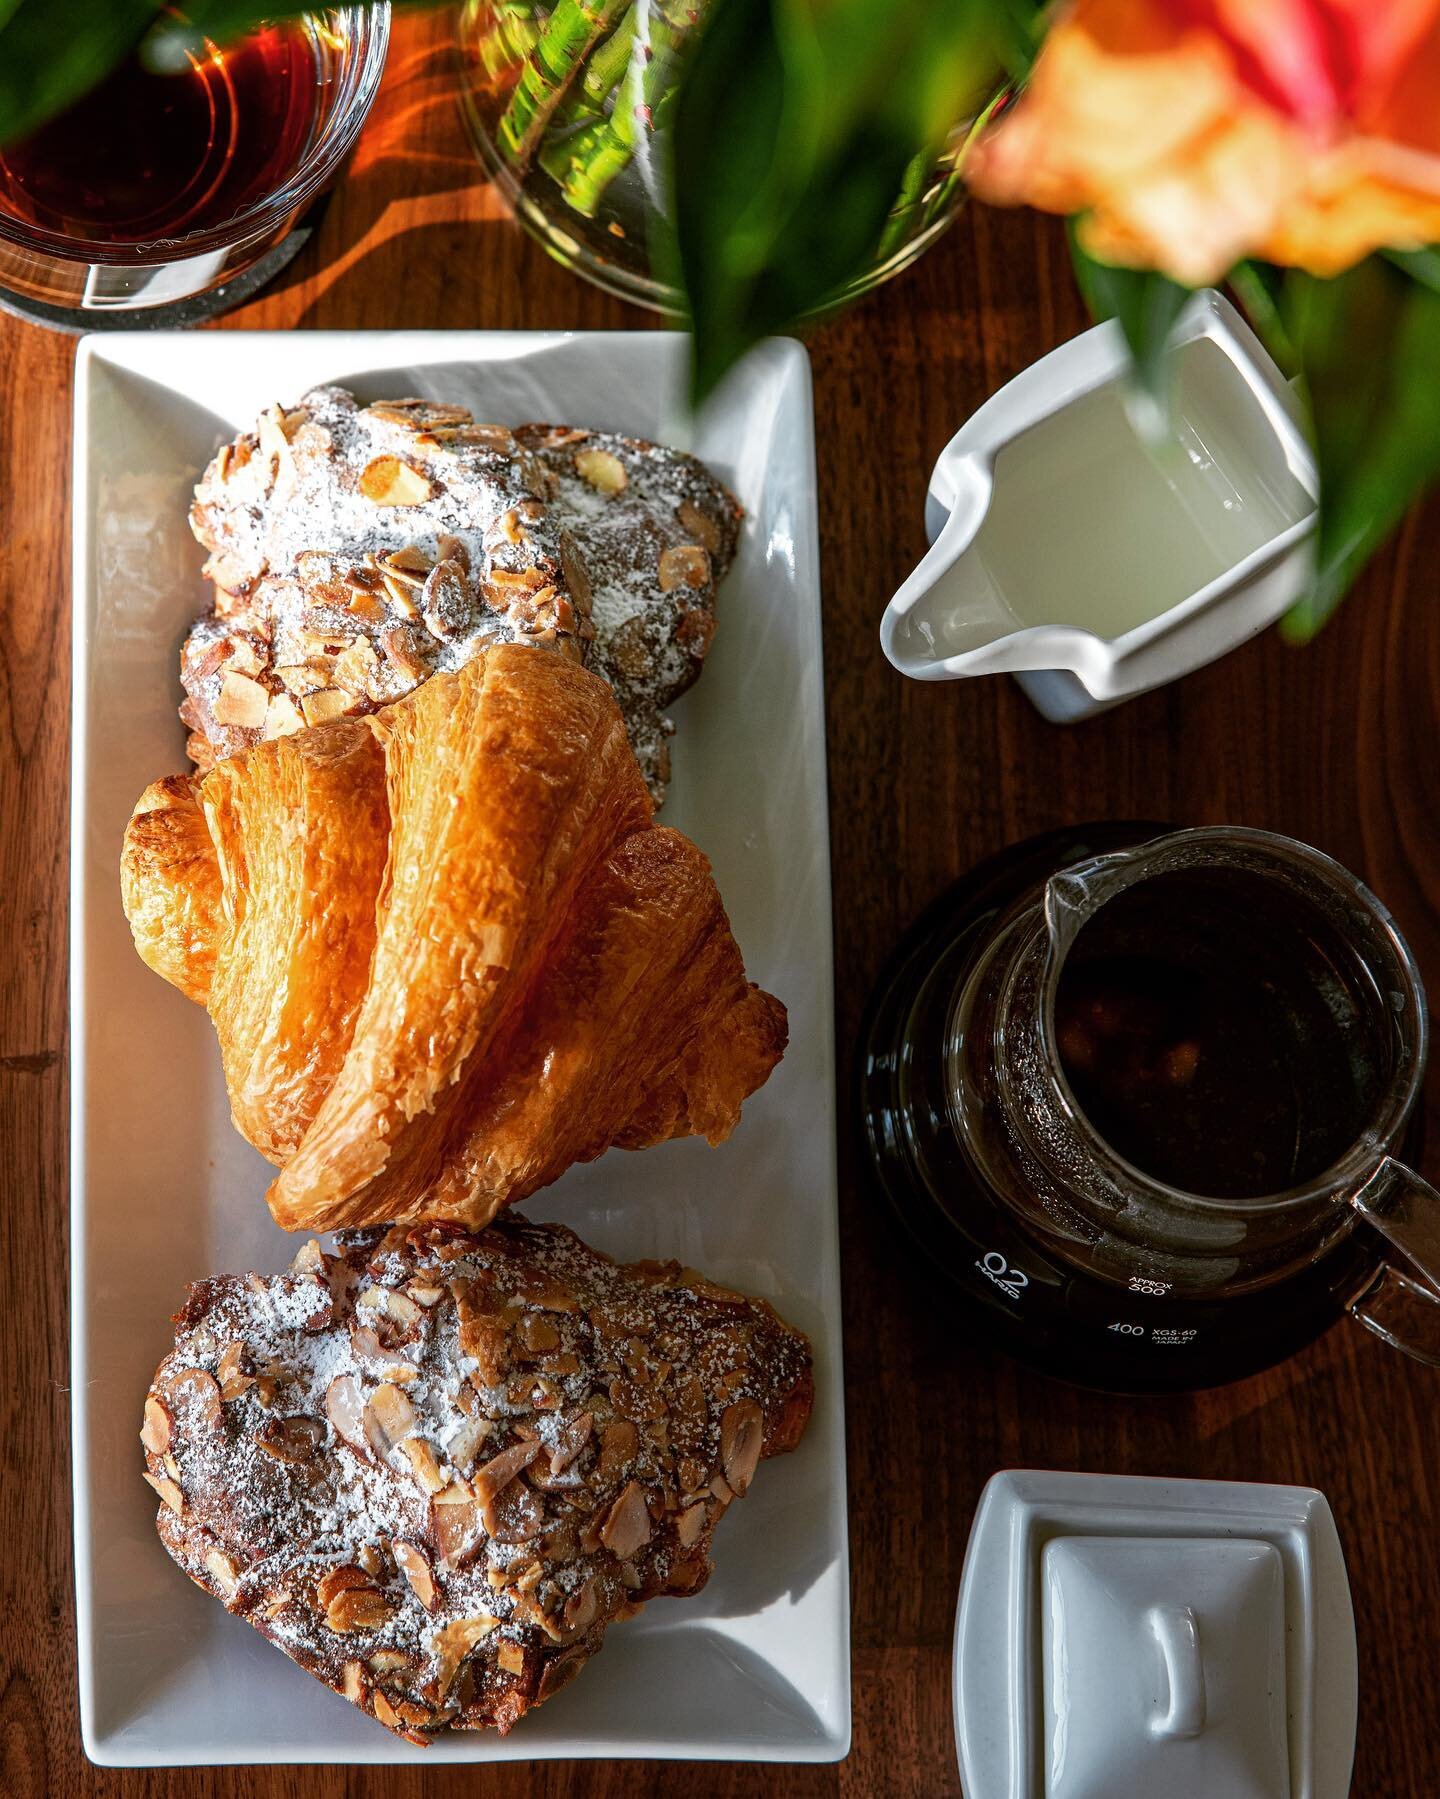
(1076, 894)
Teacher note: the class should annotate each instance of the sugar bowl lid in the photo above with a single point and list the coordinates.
(1119, 1638)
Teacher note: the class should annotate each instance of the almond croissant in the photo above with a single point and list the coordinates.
(445, 949)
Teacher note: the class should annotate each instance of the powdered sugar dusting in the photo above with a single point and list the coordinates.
(434, 1467)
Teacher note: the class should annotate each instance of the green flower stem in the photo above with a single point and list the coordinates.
(571, 32)
(642, 103)
(909, 205)
(608, 65)
(510, 39)
(575, 127)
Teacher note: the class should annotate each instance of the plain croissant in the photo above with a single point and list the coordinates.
(445, 949)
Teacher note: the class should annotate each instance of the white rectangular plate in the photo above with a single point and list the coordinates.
(165, 1192)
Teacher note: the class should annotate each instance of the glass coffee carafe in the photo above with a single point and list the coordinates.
(1143, 1094)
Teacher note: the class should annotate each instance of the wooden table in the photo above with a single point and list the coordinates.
(1334, 744)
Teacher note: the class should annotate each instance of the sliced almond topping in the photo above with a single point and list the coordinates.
(457, 1528)
(571, 1441)
(353, 1683)
(618, 1443)
(425, 1296)
(516, 580)
(271, 432)
(409, 559)
(245, 659)
(293, 1439)
(451, 1645)
(345, 1408)
(358, 1608)
(169, 1492)
(401, 1309)
(398, 1307)
(511, 1657)
(241, 702)
(720, 1487)
(604, 472)
(538, 1334)
(689, 1525)
(445, 600)
(374, 1561)
(742, 1428)
(423, 1463)
(388, 481)
(500, 1470)
(388, 1661)
(486, 437)
(418, 415)
(449, 548)
(385, 1712)
(192, 1393)
(403, 593)
(309, 1260)
(324, 646)
(580, 1608)
(699, 524)
(404, 649)
(367, 604)
(300, 677)
(328, 702)
(465, 1443)
(365, 1341)
(683, 564)
(415, 1566)
(627, 1523)
(155, 1431)
(357, 667)
(224, 1573)
(514, 1515)
(283, 717)
(389, 1418)
(337, 1580)
(549, 1296)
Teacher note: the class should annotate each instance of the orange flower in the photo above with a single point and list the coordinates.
(1192, 133)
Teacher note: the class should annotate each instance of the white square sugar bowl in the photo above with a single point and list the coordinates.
(1094, 549)
(1128, 1638)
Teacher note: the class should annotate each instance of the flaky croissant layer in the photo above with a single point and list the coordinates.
(446, 950)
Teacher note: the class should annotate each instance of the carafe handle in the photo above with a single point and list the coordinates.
(1402, 1304)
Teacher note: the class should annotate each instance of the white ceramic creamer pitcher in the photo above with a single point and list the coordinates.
(1094, 559)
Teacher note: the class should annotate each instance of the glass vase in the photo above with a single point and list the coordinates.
(568, 102)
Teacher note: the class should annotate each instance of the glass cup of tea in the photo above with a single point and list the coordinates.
(172, 192)
(1151, 1110)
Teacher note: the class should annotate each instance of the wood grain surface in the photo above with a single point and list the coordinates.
(1334, 744)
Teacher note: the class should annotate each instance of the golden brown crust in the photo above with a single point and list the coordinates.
(434, 1469)
(454, 954)
(170, 885)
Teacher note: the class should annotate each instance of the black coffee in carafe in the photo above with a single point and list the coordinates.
(1140, 1094)
(1219, 1033)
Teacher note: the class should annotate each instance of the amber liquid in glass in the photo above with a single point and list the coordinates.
(147, 156)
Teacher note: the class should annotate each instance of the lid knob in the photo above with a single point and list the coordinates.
(1177, 1631)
